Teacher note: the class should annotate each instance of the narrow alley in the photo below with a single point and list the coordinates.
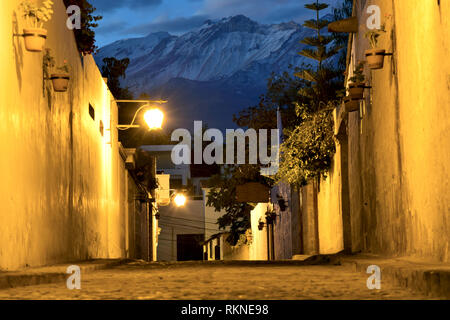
(264, 150)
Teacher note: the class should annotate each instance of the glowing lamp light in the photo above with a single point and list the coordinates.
(154, 119)
(180, 200)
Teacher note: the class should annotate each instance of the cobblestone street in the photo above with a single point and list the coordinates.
(209, 281)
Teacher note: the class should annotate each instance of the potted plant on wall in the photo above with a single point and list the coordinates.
(60, 80)
(356, 84)
(35, 35)
(356, 88)
(375, 56)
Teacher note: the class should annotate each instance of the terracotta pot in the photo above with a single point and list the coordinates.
(375, 58)
(351, 104)
(34, 39)
(356, 90)
(346, 25)
(60, 81)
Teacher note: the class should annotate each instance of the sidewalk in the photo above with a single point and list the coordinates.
(51, 274)
(431, 279)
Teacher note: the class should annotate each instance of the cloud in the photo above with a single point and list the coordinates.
(129, 18)
(268, 11)
(177, 25)
(112, 26)
(110, 5)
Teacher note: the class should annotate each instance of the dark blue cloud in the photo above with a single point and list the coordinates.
(130, 18)
(176, 25)
(110, 5)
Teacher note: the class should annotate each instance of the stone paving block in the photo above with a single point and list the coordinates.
(431, 279)
(52, 274)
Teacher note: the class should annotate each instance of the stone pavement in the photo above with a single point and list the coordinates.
(55, 273)
(217, 281)
(428, 278)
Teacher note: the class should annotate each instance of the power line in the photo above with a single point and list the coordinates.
(186, 226)
(171, 217)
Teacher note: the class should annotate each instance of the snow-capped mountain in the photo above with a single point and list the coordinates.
(213, 71)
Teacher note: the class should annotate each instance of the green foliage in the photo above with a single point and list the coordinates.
(145, 170)
(373, 35)
(38, 15)
(308, 150)
(322, 86)
(344, 11)
(316, 6)
(358, 74)
(48, 62)
(85, 36)
(114, 69)
(223, 197)
(306, 101)
(65, 67)
(282, 92)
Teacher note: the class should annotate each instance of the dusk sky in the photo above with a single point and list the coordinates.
(135, 18)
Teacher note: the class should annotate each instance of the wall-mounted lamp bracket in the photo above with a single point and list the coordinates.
(142, 101)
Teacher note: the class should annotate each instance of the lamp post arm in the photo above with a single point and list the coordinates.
(138, 110)
(132, 125)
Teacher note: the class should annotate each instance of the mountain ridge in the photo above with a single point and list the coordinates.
(232, 57)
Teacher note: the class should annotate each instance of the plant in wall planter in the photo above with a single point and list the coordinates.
(375, 56)
(60, 79)
(35, 35)
(356, 82)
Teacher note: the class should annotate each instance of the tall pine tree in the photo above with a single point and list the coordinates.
(309, 148)
(323, 86)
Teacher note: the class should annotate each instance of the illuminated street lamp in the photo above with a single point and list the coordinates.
(180, 200)
(153, 117)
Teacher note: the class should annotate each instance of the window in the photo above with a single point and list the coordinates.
(91, 111)
(102, 128)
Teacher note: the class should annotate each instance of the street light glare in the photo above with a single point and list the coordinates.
(154, 119)
(180, 200)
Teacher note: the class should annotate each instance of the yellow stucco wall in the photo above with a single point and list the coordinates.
(400, 147)
(256, 248)
(329, 210)
(59, 187)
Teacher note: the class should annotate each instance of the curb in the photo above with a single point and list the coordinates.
(36, 276)
(430, 280)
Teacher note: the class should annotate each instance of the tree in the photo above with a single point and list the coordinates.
(114, 69)
(223, 197)
(322, 85)
(282, 92)
(306, 102)
(308, 150)
(85, 36)
(344, 11)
